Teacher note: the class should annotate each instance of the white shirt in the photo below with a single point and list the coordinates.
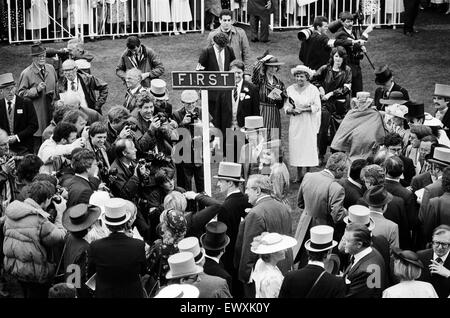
(361, 254)
(79, 91)
(443, 258)
(235, 191)
(222, 56)
(81, 176)
(411, 289)
(329, 172)
(13, 103)
(395, 180)
(215, 259)
(354, 182)
(317, 263)
(235, 104)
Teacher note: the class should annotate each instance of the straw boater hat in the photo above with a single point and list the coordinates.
(178, 291)
(268, 243)
(116, 212)
(80, 217)
(253, 123)
(37, 49)
(215, 237)
(273, 61)
(191, 244)
(229, 171)
(396, 110)
(321, 239)
(189, 96)
(394, 97)
(158, 88)
(442, 90)
(359, 214)
(432, 121)
(440, 155)
(182, 264)
(302, 68)
(6, 80)
(407, 256)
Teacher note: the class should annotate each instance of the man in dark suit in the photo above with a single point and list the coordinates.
(217, 58)
(353, 186)
(394, 144)
(85, 181)
(411, 12)
(133, 80)
(436, 263)
(389, 92)
(17, 117)
(313, 281)
(117, 260)
(366, 275)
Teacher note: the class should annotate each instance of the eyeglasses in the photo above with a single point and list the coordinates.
(396, 150)
(443, 244)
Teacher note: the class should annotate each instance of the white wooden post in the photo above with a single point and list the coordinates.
(206, 150)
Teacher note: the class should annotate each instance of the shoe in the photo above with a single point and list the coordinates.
(254, 40)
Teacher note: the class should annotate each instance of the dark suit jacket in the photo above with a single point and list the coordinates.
(379, 95)
(25, 124)
(299, 283)
(440, 283)
(127, 183)
(213, 268)
(119, 261)
(358, 276)
(409, 198)
(80, 190)
(381, 244)
(352, 192)
(437, 213)
(248, 105)
(409, 171)
(421, 181)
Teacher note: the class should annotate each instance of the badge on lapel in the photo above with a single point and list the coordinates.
(20, 111)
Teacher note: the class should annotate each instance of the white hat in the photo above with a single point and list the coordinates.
(321, 239)
(189, 96)
(396, 110)
(158, 89)
(191, 244)
(116, 212)
(178, 291)
(181, 265)
(360, 214)
(302, 68)
(268, 243)
(70, 98)
(253, 123)
(82, 64)
(99, 198)
(229, 171)
(432, 121)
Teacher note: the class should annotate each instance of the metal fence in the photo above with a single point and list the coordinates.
(41, 20)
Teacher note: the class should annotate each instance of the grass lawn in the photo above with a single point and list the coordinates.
(417, 62)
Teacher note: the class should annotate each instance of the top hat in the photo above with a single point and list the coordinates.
(6, 80)
(115, 212)
(253, 123)
(442, 90)
(215, 238)
(273, 61)
(407, 256)
(158, 89)
(395, 97)
(415, 109)
(189, 96)
(396, 110)
(440, 155)
(229, 171)
(178, 291)
(302, 68)
(321, 239)
(190, 244)
(382, 75)
(268, 243)
(359, 214)
(80, 217)
(37, 49)
(377, 196)
(182, 264)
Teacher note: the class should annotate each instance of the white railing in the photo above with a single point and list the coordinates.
(290, 15)
(55, 20)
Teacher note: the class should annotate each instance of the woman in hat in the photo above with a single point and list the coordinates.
(266, 275)
(271, 90)
(395, 122)
(408, 268)
(303, 106)
(417, 132)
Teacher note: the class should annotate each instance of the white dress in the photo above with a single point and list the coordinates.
(410, 289)
(268, 280)
(303, 128)
(37, 16)
(160, 11)
(394, 6)
(181, 11)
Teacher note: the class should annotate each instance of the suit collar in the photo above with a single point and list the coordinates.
(327, 173)
(359, 260)
(263, 199)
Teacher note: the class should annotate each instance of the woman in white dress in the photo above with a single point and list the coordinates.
(393, 8)
(159, 12)
(37, 17)
(181, 12)
(266, 275)
(303, 105)
(408, 267)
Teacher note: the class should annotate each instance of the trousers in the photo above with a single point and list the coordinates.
(254, 27)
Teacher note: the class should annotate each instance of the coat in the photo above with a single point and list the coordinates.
(119, 262)
(211, 286)
(257, 7)
(352, 192)
(213, 268)
(354, 52)
(437, 213)
(268, 215)
(299, 284)
(238, 41)
(25, 124)
(28, 236)
(27, 88)
(385, 228)
(409, 171)
(440, 283)
(421, 181)
(431, 191)
(127, 184)
(379, 92)
(80, 190)
(411, 208)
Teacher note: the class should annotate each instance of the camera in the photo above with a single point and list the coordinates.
(145, 162)
(131, 123)
(162, 117)
(194, 114)
(4, 159)
(304, 34)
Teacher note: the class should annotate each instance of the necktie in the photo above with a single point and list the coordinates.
(9, 108)
(220, 61)
(73, 86)
(43, 72)
(439, 260)
(235, 93)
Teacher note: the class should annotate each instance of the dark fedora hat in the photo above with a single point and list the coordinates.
(377, 196)
(215, 237)
(415, 109)
(6, 80)
(395, 97)
(382, 75)
(407, 256)
(80, 217)
(37, 49)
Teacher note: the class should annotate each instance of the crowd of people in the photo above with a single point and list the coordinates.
(96, 201)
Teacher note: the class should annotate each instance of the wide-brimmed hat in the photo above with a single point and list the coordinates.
(439, 155)
(253, 123)
(321, 239)
(442, 90)
(396, 110)
(215, 238)
(273, 61)
(178, 291)
(191, 244)
(268, 243)
(407, 256)
(182, 264)
(80, 217)
(359, 214)
(189, 96)
(432, 121)
(382, 75)
(6, 80)
(229, 171)
(395, 97)
(415, 109)
(116, 212)
(37, 49)
(158, 88)
(377, 196)
(302, 68)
